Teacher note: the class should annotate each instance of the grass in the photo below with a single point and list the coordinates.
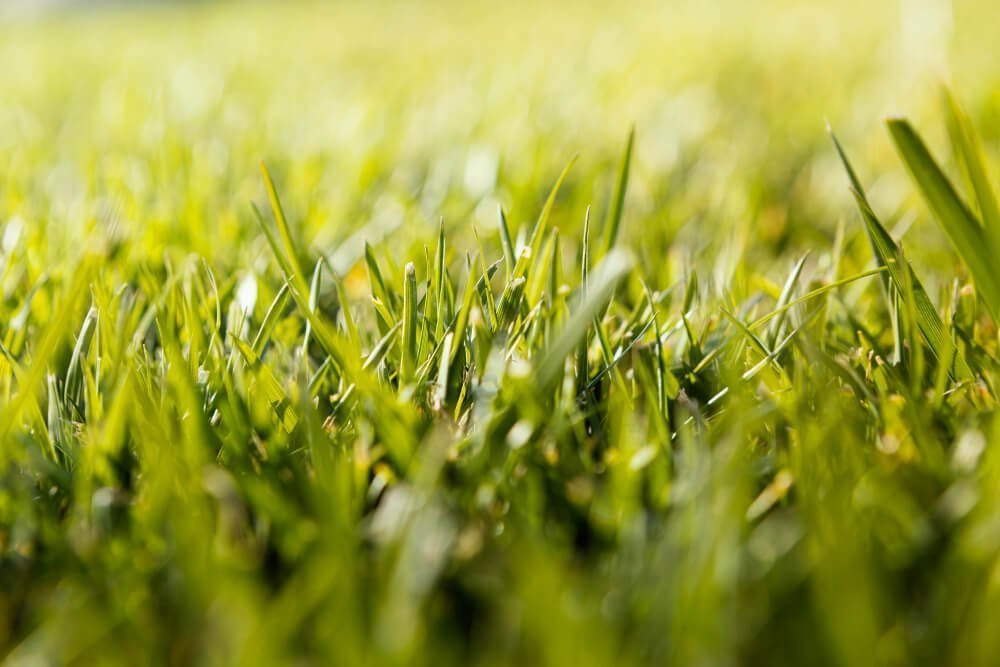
(504, 354)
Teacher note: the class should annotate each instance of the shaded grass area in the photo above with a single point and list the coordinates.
(427, 389)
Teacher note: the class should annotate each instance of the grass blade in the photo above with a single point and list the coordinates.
(440, 271)
(786, 293)
(314, 287)
(538, 232)
(408, 361)
(613, 221)
(969, 153)
(505, 241)
(601, 287)
(270, 320)
(888, 255)
(462, 319)
(72, 391)
(958, 222)
(284, 230)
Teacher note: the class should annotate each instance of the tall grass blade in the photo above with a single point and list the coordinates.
(887, 254)
(284, 230)
(541, 225)
(969, 153)
(270, 320)
(462, 319)
(73, 389)
(601, 287)
(408, 361)
(958, 222)
(509, 256)
(612, 222)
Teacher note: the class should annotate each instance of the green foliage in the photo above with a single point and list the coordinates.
(973, 242)
(399, 398)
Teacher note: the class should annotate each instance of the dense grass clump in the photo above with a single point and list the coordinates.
(423, 388)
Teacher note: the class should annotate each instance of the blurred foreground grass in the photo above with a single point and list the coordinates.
(707, 439)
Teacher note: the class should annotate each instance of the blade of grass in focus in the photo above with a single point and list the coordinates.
(903, 278)
(966, 232)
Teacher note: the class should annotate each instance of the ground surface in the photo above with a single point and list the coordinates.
(678, 404)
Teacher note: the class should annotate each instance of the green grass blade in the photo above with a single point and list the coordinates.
(541, 225)
(284, 230)
(612, 222)
(444, 368)
(969, 152)
(659, 369)
(958, 222)
(270, 320)
(381, 348)
(601, 287)
(887, 254)
(72, 390)
(276, 247)
(510, 302)
(408, 360)
(815, 293)
(350, 326)
(928, 319)
(376, 280)
(554, 270)
(272, 389)
(314, 287)
(42, 355)
(612, 360)
(509, 256)
(462, 319)
(582, 360)
(856, 187)
(786, 293)
(538, 278)
(440, 273)
(489, 303)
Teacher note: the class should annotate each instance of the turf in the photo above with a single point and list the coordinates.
(466, 334)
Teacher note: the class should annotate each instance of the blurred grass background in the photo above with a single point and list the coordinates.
(137, 131)
(155, 116)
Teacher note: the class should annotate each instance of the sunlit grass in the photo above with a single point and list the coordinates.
(471, 334)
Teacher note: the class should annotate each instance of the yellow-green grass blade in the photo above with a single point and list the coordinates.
(284, 230)
(601, 287)
(887, 254)
(612, 223)
(928, 319)
(506, 243)
(969, 154)
(408, 360)
(462, 319)
(961, 226)
(273, 392)
(541, 225)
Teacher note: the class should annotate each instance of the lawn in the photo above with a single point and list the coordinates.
(515, 333)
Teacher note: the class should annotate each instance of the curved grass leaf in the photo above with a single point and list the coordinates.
(969, 154)
(613, 221)
(538, 231)
(954, 216)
